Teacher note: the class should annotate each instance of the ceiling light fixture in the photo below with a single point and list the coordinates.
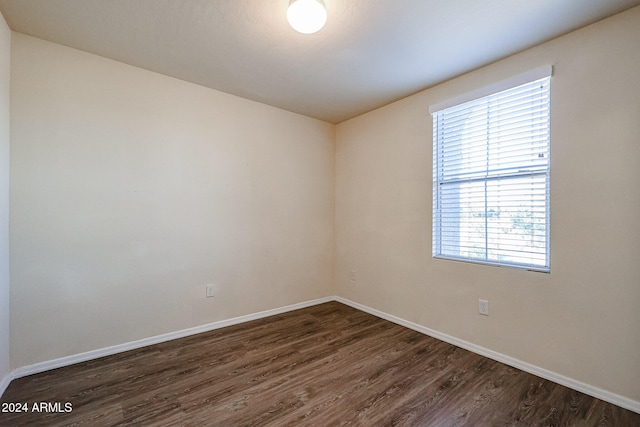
(307, 16)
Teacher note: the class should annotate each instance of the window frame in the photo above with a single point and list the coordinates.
(437, 229)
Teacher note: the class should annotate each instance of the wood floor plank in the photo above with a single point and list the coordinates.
(327, 365)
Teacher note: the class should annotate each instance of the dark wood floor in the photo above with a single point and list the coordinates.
(327, 365)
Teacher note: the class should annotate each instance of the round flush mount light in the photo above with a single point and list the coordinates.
(307, 16)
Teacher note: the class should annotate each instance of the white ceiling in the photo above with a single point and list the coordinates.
(370, 53)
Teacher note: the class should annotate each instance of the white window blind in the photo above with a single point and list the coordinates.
(491, 178)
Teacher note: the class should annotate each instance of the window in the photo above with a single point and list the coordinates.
(491, 175)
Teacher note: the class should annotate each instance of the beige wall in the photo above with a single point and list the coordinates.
(582, 319)
(131, 190)
(5, 62)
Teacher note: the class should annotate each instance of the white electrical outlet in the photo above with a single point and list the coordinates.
(483, 307)
(352, 276)
(211, 290)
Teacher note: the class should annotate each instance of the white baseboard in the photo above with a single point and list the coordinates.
(108, 351)
(596, 392)
(5, 381)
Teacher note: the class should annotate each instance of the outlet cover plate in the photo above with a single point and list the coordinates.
(211, 290)
(483, 307)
